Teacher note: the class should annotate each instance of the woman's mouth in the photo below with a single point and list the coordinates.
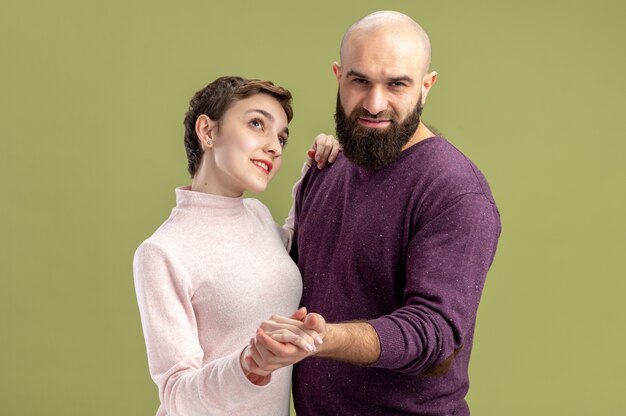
(264, 165)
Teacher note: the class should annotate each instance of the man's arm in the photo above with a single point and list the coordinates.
(447, 262)
(353, 342)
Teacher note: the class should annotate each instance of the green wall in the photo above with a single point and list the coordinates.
(92, 100)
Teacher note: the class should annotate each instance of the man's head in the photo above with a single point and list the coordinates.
(383, 82)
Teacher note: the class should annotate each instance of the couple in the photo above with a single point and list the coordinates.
(392, 242)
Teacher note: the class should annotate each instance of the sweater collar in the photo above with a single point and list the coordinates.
(223, 206)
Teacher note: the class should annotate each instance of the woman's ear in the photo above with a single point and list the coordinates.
(205, 128)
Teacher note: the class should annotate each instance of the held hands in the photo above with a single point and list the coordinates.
(280, 342)
(324, 149)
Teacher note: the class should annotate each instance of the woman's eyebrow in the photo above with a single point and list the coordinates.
(265, 113)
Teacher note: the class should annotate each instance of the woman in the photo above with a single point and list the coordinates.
(219, 264)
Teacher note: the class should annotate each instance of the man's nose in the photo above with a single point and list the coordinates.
(375, 101)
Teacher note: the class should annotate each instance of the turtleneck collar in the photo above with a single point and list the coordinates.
(222, 206)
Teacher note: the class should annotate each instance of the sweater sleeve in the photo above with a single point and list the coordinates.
(447, 262)
(186, 386)
(287, 230)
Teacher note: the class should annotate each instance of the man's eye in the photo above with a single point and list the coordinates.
(397, 84)
(360, 81)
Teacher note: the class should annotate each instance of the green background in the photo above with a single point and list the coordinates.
(92, 100)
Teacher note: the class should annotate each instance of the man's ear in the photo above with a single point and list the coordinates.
(205, 129)
(427, 82)
(337, 70)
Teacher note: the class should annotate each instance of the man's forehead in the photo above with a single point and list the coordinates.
(377, 61)
(388, 40)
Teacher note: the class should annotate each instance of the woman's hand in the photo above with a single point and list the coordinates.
(303, 330)
(324, 149)
(253, 372)
(281, 341)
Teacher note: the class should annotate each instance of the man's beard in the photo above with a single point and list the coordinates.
(372, 147)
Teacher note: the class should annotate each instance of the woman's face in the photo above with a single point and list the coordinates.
(248, 145)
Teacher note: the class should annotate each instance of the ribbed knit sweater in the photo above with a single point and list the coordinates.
(205, 280)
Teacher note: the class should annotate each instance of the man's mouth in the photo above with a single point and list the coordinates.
(264, 165)
(373, 123)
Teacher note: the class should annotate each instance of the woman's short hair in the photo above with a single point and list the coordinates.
(216, 98)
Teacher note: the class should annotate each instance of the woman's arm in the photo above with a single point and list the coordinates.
(324, 148)
(186, 384)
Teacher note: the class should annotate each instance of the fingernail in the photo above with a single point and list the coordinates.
(310, 347)
(319, 340)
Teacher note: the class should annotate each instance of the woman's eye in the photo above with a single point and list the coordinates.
(256, 123)
(282, 141)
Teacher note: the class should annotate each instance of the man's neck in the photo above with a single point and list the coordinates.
(422, 132)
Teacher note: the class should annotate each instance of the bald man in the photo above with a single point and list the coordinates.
(394, 241)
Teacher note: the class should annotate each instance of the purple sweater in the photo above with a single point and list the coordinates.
(406, 247)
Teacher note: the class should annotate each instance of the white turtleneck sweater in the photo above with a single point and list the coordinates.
(205, 280)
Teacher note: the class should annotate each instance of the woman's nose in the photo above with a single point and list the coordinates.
(274, 147)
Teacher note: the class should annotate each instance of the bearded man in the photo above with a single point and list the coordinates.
(394, 241)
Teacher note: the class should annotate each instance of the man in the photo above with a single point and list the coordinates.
(393, 241)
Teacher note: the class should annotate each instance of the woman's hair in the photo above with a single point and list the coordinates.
(216, 98)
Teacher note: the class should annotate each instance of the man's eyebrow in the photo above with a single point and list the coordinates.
(404, 78)
(353, 73)
(268, 115)
(401, 78)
